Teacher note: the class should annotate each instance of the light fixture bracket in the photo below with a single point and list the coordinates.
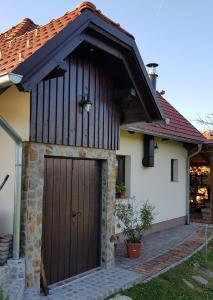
(86, 103)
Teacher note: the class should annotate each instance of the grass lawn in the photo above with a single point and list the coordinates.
(170, 285)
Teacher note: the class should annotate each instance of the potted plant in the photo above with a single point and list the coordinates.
(133, 222)
(120, 189)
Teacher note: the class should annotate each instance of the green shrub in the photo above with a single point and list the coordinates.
(1, 294)
(133, 221)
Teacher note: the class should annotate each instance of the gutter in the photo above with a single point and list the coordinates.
(199, 148)
(18, 184)
(8, 79)
(156, 134)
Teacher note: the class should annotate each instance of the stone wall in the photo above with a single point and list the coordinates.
(32, 198)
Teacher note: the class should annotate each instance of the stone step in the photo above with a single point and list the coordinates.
(200, 279)
(205, 272)
(4, 274)
(14, 289)
(13, 279)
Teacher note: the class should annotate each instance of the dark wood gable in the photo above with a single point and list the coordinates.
(117, 84)
(56, 114)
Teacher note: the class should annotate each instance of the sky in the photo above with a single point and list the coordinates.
(176, 34)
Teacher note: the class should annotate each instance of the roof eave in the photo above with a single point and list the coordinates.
(161, 135)
(53, 52)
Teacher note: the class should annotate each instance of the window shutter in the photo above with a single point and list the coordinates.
(148, 159)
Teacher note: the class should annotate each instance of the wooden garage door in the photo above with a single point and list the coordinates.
(71, 217)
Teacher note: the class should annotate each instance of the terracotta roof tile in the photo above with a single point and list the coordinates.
(27, 37)
(178, 127)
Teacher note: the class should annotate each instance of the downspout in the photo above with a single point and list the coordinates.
(18, 183)
(188, 181)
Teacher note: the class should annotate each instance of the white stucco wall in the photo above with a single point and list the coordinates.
(15, 108)
(154, 184)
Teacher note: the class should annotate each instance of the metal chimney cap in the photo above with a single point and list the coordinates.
(152, 69)
(150, 65)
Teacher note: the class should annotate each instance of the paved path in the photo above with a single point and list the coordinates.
(161, 263)
(94, 286)
(155, 244)
(160, 251)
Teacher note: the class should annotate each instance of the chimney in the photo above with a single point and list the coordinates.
(152, 74)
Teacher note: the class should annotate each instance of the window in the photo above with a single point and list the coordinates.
(174, 169)
(120, 176)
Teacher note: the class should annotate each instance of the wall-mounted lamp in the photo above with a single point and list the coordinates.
(86, 103)
(155, 146)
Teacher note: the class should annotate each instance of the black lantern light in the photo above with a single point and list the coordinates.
(86, 103)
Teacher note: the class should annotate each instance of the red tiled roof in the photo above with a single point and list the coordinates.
(178, 127)
(209, 142)
(22, 40)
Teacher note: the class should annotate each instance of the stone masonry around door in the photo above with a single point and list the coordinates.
(32, 200)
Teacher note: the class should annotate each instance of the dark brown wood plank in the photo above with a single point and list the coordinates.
(59, 110)
(40, 107)
(80, 218)
(92, 200)
(101, 113)
(105, 115)
(46, 111)
(118, 129)
(91, 115)
(86, 92)
(48, 216)
(79, 109)
(73, 105)
(86, 221)
(62, 217)
(52, 114)
(74, 221)
(68, 218)
(97, 176)
(97, 101)
(66, 99)
(113, 127)
(109, 118)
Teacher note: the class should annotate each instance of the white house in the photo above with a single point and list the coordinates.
(163, 179)
(64, 108)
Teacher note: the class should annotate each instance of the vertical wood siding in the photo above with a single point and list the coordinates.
(57, 117)
(71, 217)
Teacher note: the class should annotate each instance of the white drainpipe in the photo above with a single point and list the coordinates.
(6, 80)
(188, 182)
(18, 184)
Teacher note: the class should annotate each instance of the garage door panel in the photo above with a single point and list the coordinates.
(71, 217)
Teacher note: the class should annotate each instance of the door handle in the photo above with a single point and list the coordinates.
(74, 215)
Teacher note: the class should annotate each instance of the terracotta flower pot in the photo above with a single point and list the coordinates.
(121, 195)
(133, 250)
